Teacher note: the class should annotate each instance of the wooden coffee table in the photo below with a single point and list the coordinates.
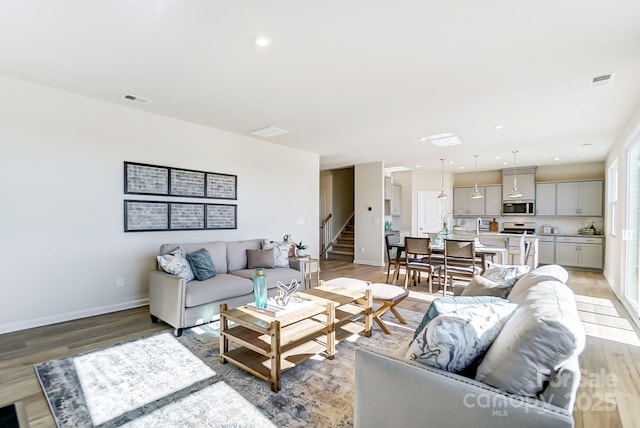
(266, 345)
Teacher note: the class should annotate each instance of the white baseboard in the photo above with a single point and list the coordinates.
(69, 316)
(368, 263)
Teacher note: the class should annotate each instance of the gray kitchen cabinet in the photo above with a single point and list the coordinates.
(545, 198)
(493, 200)
(585, 252)
(579, 198)
(463, 205)
(396, 200)
(546, 250)
(526, 186)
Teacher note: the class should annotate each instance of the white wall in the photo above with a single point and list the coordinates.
(61, 181)
(616, 255)
(369, 192)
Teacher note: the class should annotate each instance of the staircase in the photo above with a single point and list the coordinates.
(342, 248)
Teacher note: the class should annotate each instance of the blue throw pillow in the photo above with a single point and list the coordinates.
(201, 264)
(442, 305)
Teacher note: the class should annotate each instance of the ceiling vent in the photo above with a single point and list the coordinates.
(268, 132)
(445, 140)
(605, 79)
(136, 98)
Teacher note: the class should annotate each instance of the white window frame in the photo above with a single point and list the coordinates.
(612, 199)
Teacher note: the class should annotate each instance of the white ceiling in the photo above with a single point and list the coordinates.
(353, 80)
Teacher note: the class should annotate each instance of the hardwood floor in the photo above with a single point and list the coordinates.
(609, 392)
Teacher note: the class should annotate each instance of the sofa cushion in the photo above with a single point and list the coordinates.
(217, 289)
(454, 340)
(201, 264)
(284, 275)
(506, 274)
(260, 259)
(442, 305)
(237, 253)
(481, 286)
(175, 263)
(281, 252)
(542, 334)
(217, 250)
(543, 273)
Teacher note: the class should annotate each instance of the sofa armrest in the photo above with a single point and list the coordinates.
(296, 263)
(167, 297)
(390, 391)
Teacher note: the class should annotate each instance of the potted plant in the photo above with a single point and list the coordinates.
(300, 247)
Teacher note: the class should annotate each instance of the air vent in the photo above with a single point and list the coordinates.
(268, 132)
(136, 98)
(605, 79)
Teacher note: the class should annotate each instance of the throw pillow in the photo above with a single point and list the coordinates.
(281, 252)
(201, 264)
(456, 339)
(175, 263)
(442, 305)
(260, 259)
(543, 333)
(506, 274)
(481, 286)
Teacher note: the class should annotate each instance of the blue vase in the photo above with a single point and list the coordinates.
(260, 288)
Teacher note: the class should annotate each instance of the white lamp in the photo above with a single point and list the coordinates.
(476, 194)
(514, 192)
(443, 195)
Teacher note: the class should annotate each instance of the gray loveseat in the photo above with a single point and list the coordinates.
(186, 304)
(394, 391)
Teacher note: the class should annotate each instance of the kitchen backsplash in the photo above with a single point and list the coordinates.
(565, 225)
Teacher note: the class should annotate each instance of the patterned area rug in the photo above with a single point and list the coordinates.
(161, 381)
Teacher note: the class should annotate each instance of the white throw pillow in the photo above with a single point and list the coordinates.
(280, 252)
(175, 263)
(452, 341)
(506, 274)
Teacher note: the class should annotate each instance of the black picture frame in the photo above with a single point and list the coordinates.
(148, 179)
(186, 216)
(221, 216)
(146, 216)
(145, 179)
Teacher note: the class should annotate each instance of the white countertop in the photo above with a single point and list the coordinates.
(496, 234)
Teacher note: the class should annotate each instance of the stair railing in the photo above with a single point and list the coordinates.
(325, 234)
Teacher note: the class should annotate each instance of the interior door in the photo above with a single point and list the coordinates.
(430, 210)
(632, 233)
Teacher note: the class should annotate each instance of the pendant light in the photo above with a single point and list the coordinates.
(514, 192)
(476, 194)
(442, 195)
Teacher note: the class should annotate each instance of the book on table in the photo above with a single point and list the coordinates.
(275, 309)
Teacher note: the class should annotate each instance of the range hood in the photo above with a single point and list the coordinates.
(525, 177)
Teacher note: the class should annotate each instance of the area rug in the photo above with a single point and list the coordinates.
(162, 381)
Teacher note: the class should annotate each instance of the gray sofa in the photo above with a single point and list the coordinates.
(183, 305)
(393, 391)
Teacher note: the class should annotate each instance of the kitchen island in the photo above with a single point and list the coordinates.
(510, 241)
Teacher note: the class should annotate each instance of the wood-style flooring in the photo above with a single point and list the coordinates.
(608, 395)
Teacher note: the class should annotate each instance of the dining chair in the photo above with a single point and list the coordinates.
(417, 254)
(522, 252)
(392, 257)
(459, 262)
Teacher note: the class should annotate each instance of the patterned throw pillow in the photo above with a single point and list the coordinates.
(201, 264)
(506, 274)
(280, 252)
(456, 339)
(481, 286)
(175, 263)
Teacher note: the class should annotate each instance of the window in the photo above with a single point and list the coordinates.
(631, 234)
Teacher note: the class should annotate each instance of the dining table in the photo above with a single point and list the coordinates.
(485, 254)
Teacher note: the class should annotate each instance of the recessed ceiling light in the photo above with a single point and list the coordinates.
(262, 41)
(269, 131)
(450, 162)
(423, 138)
(505, 163)
(498, 126)
(461, 167)
(417, 166)
(498, 157)
(556, 159)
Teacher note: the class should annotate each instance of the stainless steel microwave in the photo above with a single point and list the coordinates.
(518, 208)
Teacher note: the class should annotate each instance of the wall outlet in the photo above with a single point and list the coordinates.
(120, 281)
(300, 221)
(361, 250)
